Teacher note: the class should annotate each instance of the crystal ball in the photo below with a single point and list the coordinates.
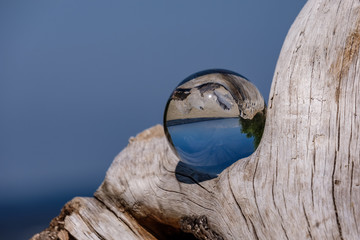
(214, 118)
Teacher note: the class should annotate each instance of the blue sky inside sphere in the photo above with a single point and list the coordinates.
(78, 78)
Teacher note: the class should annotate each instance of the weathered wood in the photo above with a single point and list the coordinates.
(303, 181)
(88, 218)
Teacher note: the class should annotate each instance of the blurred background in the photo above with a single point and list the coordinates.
(78, 78)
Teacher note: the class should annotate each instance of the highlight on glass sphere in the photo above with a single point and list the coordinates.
(214, 118)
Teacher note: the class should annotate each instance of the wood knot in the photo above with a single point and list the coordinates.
(199, 227)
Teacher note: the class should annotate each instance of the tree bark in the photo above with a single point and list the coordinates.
(302, 182)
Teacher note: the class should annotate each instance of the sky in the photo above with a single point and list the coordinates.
(79, 78)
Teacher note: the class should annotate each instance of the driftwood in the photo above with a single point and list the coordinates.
(303, 181)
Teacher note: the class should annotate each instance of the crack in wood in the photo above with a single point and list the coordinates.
(254, 230)
(120, 219)
(254, 192)
(237, 203)
(334, 199)
(307, 221)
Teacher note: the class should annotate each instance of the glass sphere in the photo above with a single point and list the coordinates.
(213, 118)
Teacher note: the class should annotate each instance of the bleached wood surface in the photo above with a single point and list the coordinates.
(303, 182)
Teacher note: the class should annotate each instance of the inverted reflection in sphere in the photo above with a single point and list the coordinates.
(213, 118)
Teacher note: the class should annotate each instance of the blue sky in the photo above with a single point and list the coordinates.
(78, 78)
